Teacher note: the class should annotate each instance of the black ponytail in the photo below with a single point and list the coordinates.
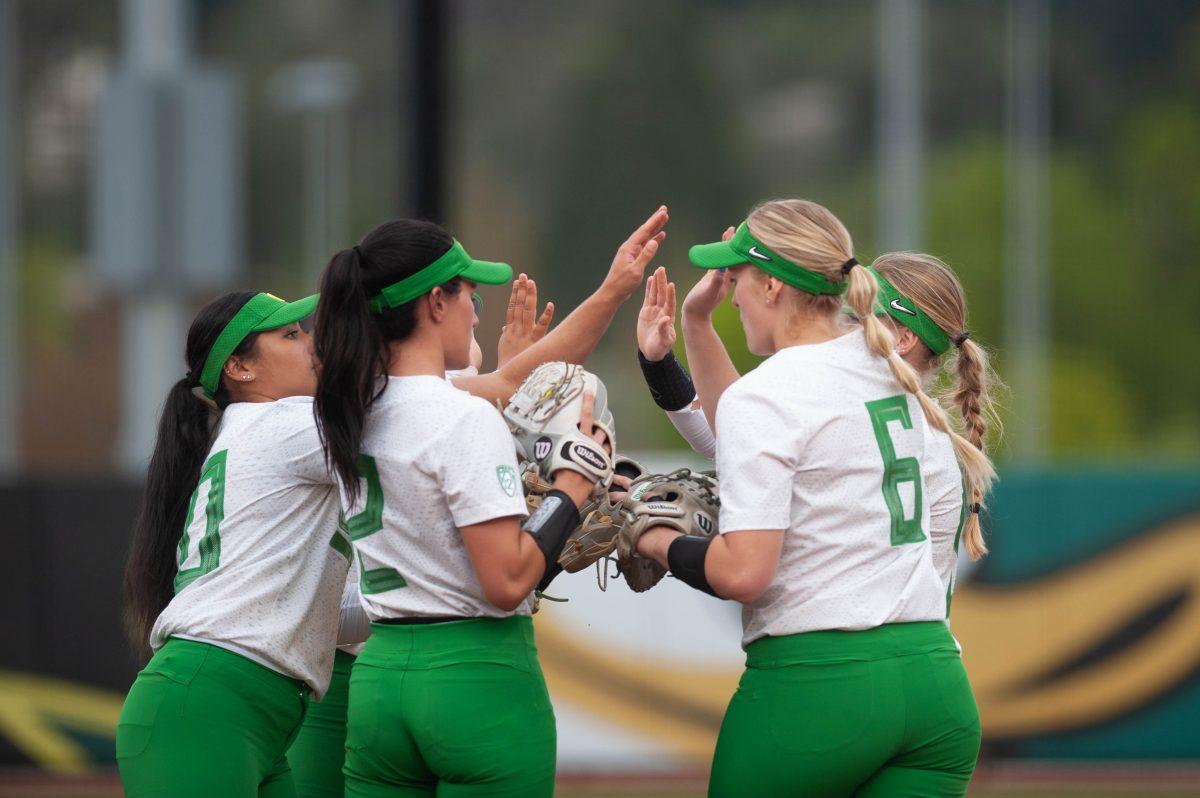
(184, 436)
(350, 341)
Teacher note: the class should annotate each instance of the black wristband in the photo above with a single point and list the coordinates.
(685, 556)
(550, 525)
(670, 385)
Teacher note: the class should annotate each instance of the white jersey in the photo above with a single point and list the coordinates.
(261, 573)
(435, 459)
(947, 506)
(821, 442)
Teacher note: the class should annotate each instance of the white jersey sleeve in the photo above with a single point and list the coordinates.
(691, 423)
(476, 485)
(761, 495)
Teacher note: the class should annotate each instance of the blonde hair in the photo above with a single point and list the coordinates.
(937, 293)
(808, 234)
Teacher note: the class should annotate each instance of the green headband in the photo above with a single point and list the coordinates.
(905, 311)
(745, 248)
(454, 263)
(263, 312)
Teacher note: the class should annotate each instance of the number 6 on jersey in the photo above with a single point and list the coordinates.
(897, 470)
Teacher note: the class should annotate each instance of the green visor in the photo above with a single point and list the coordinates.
(745, 248)
(905, 311)
(455, 263)
(263, 312)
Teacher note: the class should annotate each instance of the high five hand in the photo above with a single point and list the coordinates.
(656, 320)
(521, 329)
(629, 264)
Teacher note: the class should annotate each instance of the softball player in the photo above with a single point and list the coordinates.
(318, 752)
(928, 320)
(449, 677)
(853, 684)
(242, 608)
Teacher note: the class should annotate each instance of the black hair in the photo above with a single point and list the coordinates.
(184, 436)
(350, 340)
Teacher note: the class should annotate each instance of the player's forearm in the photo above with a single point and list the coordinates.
(712, 369)
(510, 572)
(572, 341)
(692, 424)
(739, 566)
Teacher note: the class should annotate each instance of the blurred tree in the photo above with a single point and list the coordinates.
(645, 126)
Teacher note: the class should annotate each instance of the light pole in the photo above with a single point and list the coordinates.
(899, 128)
(1027, 283)
(320, 91)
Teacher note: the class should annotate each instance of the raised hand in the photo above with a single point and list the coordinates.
(629, 264)
(656, 320)
(522, 327)
(705, 295)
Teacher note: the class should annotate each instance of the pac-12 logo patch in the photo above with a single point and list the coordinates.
(541, 448)
(507, 478)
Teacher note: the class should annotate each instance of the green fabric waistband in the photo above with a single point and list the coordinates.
(835, 645)
(501, 641)
(180, 660)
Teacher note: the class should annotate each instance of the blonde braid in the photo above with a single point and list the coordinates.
(972, 395)
(978, 471)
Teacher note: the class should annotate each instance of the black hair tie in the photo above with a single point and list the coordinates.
(975, 508)
(847, 266)
(359, 253)
(961, 338)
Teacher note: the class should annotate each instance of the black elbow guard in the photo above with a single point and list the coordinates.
(686, 558)
(670, 385)
(550, 525)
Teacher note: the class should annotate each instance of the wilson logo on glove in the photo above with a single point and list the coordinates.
(590, 456)
(541, 448)
(705, 523)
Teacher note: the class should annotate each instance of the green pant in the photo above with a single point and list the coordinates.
(317, 754)
(883, 712)
(201, 721)
(450, 709)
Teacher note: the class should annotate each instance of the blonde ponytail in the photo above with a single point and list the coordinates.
(978, 471)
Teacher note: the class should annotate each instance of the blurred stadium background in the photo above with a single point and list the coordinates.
(156, 152)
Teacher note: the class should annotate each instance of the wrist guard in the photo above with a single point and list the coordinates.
(670, 385)
(686, 557)
(550, 525)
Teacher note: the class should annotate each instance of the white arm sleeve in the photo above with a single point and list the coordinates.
(353, 624)
(691, 423)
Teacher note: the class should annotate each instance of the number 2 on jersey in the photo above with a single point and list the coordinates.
(368, 522)
(208, 549)
(897, 470)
